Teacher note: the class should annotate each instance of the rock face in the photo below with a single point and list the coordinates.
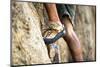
(85, 22)
(27, 43)
(28, 23)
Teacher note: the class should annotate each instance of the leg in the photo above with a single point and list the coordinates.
(54, 20)
(72, 40)
(52, 12)
(67, 13)
(55, 24)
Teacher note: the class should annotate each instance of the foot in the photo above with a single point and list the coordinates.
(55, 31)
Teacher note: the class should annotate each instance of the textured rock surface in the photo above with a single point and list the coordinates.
(85, 28)
(27, 43)
(29, 21)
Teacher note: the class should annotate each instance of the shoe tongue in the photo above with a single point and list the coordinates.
(56, 26)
